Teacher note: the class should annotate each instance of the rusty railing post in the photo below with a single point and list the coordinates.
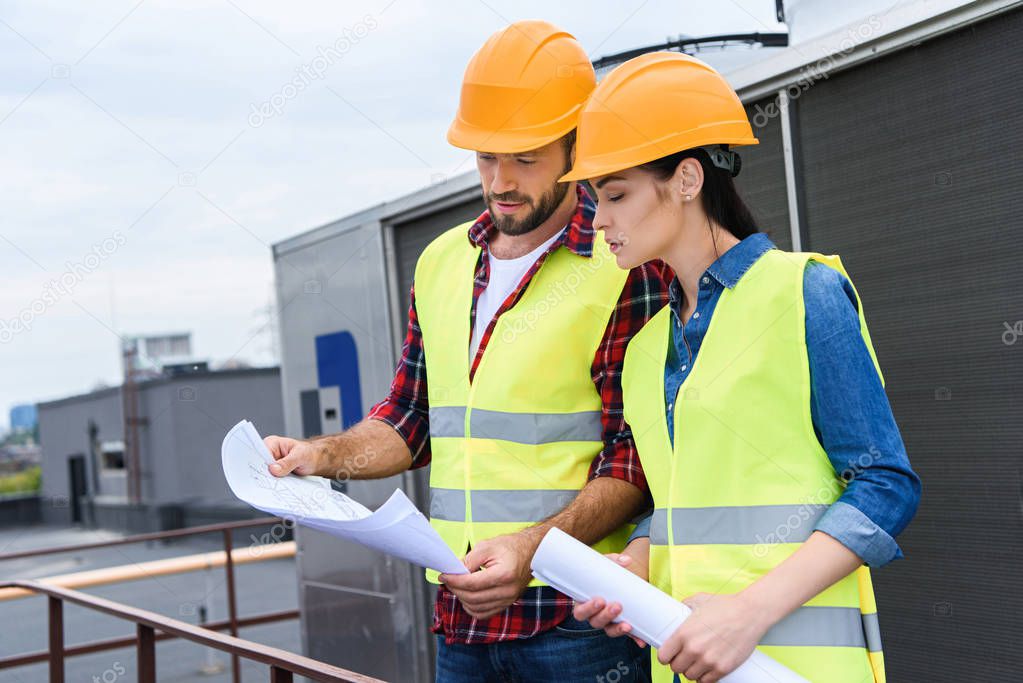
(146, 646)
(232, 604)
(56, 640)
(279, 675)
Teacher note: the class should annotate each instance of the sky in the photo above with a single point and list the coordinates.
(152, 151)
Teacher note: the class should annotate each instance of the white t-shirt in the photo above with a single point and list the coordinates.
(505, 275)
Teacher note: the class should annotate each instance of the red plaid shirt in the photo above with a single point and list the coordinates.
(406, 408)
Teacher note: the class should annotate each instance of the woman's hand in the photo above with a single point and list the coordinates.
(598, 612)
(718, 636)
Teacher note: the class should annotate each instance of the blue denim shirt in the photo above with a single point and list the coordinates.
(851, 414)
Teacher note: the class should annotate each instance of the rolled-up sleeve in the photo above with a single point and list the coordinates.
(642, 529)
(854, 422)
(645, 292)
(406, 407)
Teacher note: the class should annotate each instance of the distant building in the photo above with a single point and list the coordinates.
(23, 417)
(180, 420)
(148, 355)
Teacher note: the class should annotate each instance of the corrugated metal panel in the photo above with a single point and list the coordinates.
(761, 181)
(411, 238)
(911, 172)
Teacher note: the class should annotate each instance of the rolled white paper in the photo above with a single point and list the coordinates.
(580, 572)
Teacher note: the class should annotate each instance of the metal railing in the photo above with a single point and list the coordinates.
(152, 627)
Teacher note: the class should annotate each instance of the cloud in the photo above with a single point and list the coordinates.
(134, 117)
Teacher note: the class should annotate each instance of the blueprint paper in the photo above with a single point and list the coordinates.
(582, 573)
(396, 528)
(245, 459)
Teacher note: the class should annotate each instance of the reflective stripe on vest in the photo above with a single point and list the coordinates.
(499, 506)
(821, 627)
(527, 428)
(872, 629)
(735, 525)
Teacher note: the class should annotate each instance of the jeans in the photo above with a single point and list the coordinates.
(571, 652)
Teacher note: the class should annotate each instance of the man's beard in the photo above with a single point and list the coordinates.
(508, 225)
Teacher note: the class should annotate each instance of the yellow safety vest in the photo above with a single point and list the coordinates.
(747, 478)
(515, 446)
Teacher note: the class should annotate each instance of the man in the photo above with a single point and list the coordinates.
(519, 320)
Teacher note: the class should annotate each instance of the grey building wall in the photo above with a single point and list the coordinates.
(63, 433)
(185, 419)
(188, 418)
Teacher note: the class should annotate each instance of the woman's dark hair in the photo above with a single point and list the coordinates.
(720, 198)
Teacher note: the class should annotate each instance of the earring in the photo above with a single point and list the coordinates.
(689, 197)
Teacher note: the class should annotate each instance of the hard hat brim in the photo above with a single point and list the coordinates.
(620, 160)
(474, 139)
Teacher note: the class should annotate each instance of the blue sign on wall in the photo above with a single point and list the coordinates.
(337, 365)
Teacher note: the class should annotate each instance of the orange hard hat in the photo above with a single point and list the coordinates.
(522, 90)
(652, 106)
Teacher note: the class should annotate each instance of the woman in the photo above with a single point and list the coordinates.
(777, 470)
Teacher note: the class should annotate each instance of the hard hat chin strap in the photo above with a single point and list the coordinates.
(725, 159)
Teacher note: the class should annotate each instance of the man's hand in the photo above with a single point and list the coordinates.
(503, 564)
(601, 614)
(294, 455)
(602, 505)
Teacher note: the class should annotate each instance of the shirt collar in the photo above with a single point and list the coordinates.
(729, 268)
(578, 238)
